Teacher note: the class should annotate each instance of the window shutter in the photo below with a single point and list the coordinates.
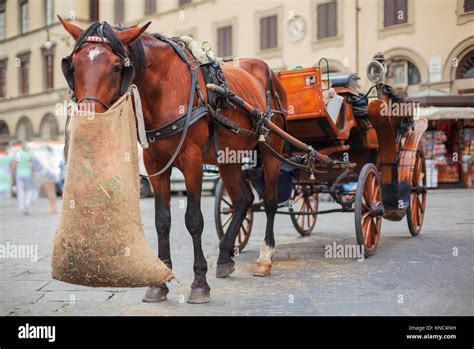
(49, 70)
(322, 21)
(268, 32)
(119, 11)
(389, 12)
(395, 12)
(468, 5)
(332, 18)
(94, 10)
(224, 41)
(150, 7)
(327, 19)
(3, 80)
(273, 32)
(402, 7)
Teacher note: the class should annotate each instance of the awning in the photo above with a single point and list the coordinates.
(446, 113)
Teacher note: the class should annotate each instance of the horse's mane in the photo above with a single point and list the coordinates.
(136, 51)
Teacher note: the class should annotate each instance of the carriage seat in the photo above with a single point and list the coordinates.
(346, 80)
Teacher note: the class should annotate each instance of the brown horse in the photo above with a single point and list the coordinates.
(164, 85)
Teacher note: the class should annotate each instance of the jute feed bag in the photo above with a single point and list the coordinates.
(100, 239)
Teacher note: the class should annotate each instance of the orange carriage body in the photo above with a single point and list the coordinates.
(308, 118)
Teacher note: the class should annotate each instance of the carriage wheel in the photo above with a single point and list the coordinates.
(417, 204)
(223, 213)
(304, 200)
(368, 210)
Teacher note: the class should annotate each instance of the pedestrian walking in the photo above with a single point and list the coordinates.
(22, 166)
(45, 174)
(6, 181)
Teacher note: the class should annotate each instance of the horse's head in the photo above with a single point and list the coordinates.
(99, 69)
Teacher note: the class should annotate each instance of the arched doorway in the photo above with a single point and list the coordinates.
(49, 128)
(402, 73)
(459, 67)
(465, 69)
(24, 129)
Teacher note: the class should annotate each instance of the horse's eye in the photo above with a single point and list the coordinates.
(116, 68)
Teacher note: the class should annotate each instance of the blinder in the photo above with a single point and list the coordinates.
(67, 71)
(128, 74)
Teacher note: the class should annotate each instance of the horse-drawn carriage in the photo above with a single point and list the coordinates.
(372, 165)
(327, 136)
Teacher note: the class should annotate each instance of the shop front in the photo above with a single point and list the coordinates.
(449, 141)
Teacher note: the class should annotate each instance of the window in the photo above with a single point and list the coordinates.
(268, 32)
(119, 11)
(327, 19)
(49, 71)
(49, 11)
(403, 73)
(224, 41)
(3, 78)
(24, 129)
(184, 2)
(465, 68)
(2, 19)
(94, 10)
(23, 16)
(395, 12)
(24, 73)
(150, 7)
(468, 5)
(49, 128)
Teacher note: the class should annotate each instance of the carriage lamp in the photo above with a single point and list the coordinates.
(377, 69)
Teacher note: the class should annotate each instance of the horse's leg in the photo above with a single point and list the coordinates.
(271, 169)
(161, 188)
(192, 171)
(242, 198)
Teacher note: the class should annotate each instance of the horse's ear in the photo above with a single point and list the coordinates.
(128, 36)
(72, 29)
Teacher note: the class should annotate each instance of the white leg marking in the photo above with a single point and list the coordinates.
(266, 254)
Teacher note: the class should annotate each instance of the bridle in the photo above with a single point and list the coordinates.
(128, 71)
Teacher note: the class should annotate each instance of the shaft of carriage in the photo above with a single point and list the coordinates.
(313, 156)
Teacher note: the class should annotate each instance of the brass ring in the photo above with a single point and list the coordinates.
(206, 46)
(194, 64)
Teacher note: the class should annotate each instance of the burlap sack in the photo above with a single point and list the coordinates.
(100, 239)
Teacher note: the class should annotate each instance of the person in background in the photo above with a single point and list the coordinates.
(45, 172)
(62, 175)
(22, 168)
(6, 181)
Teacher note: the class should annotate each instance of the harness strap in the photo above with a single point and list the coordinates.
(186, 125)
(139, 115)
(177, 125)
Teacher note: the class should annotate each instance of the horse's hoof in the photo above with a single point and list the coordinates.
(224, 270)
(155, 294)
(199, 295)
(262, 269)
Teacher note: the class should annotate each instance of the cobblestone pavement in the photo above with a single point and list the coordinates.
(432, 274)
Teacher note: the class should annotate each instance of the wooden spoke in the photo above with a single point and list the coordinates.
(304, 201)
(416, 209)
(223, 215)
(367, 198)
